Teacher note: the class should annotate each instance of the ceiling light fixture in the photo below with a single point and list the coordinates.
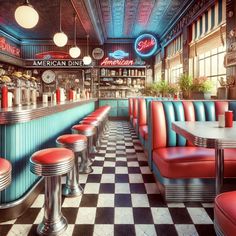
(26, 16)
(60, 38)
(87, 59)
(74, 51)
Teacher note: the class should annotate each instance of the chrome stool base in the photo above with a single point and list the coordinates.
(67, 191)
(85, 170)
(48, 228)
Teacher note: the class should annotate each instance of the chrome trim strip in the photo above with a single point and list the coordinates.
(26, 113)
(23, 198)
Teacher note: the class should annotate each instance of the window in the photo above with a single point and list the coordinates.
(211, 64)
(176, 72)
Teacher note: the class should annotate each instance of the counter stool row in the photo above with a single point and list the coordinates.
(71, 157)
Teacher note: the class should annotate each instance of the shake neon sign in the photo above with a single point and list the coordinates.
(119, 56)
(5, 46)
(145, 45)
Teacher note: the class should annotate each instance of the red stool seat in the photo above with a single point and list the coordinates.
(225, 213)
(52, 156)
(72, 138)
(90, 122)
(91, 118)
(5, 173)
(52, 162)
(84, 127)
(5, 166)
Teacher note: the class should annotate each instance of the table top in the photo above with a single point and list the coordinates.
(206, 133)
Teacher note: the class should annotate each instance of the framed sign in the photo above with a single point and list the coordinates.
(230, 59)
(145, 45)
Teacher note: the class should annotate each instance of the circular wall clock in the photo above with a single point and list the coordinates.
(48, 76)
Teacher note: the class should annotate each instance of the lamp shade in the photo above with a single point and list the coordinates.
(74, 52)
(26, 16)
(87, 60)
(60, 39)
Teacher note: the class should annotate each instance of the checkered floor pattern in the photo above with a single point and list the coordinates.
(120, 198)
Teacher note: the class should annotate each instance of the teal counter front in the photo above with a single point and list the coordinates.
(119, 107)
(26, 129)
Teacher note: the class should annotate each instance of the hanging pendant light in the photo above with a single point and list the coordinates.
(26, 16)
(87, 59)
(74, 51)
(60, 38)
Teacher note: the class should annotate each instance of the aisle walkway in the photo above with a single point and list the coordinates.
(120, 198)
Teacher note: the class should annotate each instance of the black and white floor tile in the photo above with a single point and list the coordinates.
(120, 198)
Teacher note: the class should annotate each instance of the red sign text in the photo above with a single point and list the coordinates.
(5, 46)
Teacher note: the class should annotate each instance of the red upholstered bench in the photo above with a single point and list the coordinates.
(225, 214)
(185, 172)
(135, 114)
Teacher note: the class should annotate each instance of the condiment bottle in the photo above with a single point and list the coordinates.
(4, 101)
(58, 95)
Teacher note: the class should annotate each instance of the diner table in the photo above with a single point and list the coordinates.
(208, 134)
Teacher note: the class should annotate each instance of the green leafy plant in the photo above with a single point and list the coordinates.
(163, 87)
(173, 88)
(185, 82)
(201, 84)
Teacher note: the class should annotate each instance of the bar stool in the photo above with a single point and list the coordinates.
(5, 173)
(52, 163)
(78, 144)
(89, 131)
(97, 124)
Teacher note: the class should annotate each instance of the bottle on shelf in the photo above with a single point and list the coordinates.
(4, 100)
(125, 73)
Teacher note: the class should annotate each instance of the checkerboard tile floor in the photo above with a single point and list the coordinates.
(120, 198)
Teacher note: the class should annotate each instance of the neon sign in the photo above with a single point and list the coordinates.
(5, 46)
(118, 62)
(145, 45)
(119, 54)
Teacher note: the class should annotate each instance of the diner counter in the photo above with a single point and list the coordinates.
(26, 113)
(25, 130)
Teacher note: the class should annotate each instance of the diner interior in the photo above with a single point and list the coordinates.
(118, 117)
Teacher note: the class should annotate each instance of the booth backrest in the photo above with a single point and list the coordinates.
(163, 113)
(135, 108)
(130, 106)
(142, 112)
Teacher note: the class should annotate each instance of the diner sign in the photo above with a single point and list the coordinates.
(145, 45)
(54, 63)
(117, 58)
(7, 47)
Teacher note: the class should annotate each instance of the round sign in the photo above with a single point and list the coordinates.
(145, 45)
(97, 53)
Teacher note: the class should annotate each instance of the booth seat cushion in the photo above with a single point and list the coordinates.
(225, 212)
(135, 122)
(143, 131)
(191, 162)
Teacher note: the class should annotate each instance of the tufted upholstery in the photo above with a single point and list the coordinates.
(171, 153)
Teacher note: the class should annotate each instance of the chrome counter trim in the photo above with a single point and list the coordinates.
(26, 113)
(22, 199)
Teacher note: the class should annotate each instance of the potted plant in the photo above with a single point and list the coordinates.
(151, 90)
(201, 88)
(185, 85)
(173, 89)
(162, 87)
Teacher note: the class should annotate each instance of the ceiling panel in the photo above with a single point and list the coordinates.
(48, 23)
(101, 19)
